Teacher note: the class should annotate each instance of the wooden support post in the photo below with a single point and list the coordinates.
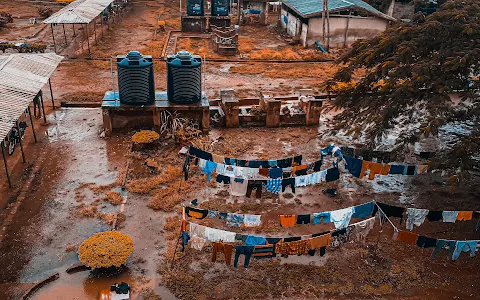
(53, 37)
(273, 112)
(20, 141)
(51, 93)
(64, 34)
(101, 24)
(74, 34)
(312, 108)
(31, 123)
(88, 39)
(2, 145)
(156, 120)
(230, 106)
(206, 120)
(107, 122)
(95, 28)
(43, 110)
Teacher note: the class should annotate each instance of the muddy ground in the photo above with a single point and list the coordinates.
(66, 203)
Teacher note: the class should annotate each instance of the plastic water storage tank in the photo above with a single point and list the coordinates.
(135, 79)
(184, 78)
(195, 8)
(220, 7)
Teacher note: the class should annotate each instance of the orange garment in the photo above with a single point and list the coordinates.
(464, 215)
(385, 169)
(263, 171)
(407, 237)
(375, 168)
(184, 225)
(227, 250)
(299, 168)
(193, 215)
(319, 241)
(287, 220)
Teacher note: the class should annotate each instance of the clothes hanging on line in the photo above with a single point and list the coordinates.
(415, 216)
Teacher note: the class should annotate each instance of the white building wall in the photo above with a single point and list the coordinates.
(358, 28)
(303, 35)
(283, 16)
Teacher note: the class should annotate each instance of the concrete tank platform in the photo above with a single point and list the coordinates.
(117, 115)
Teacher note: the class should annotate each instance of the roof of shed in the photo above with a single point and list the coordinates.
(21, 78)
(79, 12)
(311, 8)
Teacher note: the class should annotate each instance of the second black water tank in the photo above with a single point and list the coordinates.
(184, 78)
(220, 7)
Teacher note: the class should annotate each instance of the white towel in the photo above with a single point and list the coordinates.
(341, 217)
(415, 216)
(252, 220)
(217, 235)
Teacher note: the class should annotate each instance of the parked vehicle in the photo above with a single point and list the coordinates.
(14, 137)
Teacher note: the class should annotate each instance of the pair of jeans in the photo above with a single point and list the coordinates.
(245, 250)
(441, 244)
(464, 246)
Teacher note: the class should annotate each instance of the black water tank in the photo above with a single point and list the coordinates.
(184, 78)
(135, 79)
(220, 7)
(195, 8)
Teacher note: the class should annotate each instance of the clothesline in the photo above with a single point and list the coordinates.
(417, 216)
(281, 163)
(358, 167)
(340, 217)
(258, 173)
(383, 213)
(244, 185)
(455, 247)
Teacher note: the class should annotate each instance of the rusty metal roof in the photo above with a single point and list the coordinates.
(79, 12)
(21, 78)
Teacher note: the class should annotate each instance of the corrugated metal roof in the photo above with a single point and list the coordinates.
(21, 78)
(79, 12)
(311, 8)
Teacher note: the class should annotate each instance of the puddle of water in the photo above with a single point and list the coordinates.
(82, 286)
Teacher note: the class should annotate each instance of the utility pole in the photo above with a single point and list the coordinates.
(328, 26)
(324, 2)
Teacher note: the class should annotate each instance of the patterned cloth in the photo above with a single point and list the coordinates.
(292, 248)
(234, 220)
(213, 214)
(274, 185)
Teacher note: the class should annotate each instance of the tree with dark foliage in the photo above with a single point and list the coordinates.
(412, 70)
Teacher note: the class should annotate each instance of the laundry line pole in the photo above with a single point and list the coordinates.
(31, 123)
(20, 141)
(2, 145)
(53, 37)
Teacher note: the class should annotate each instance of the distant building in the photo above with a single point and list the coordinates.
(253, 12)
(349, 20)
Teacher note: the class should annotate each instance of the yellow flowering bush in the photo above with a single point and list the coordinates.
(145, 137)
(105, 249)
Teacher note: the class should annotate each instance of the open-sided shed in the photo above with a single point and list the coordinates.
(22, 76)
